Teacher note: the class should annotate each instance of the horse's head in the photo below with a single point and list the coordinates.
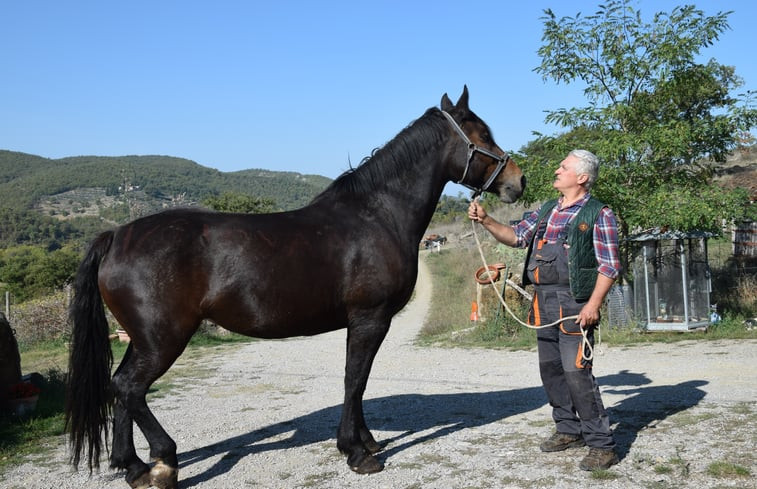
(485, 167)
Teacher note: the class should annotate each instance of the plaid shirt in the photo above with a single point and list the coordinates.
(605, 233)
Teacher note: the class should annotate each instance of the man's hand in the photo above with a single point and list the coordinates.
(476, 212)
(589, 316)
(502, 233)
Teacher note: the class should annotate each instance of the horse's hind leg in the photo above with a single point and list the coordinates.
(124, 455)
(135, 375)
(354, 439)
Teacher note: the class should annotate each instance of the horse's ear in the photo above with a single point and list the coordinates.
(462, 102)
(446, 103)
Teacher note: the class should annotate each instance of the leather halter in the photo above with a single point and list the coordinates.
(472, 150)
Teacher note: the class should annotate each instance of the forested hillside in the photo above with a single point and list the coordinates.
(49, 201)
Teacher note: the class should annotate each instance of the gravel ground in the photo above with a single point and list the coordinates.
(265, 414)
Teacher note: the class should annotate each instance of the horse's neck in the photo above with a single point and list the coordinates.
(403, 205)
(400, 185)
(410, 206)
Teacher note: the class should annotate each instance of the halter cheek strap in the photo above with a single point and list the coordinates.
(472, 150)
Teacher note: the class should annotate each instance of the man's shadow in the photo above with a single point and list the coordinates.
(441, 414)
(644, 407)
(444, 414)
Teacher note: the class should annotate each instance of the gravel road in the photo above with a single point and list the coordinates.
(264, 414)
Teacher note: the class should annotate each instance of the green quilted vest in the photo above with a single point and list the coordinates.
(582, 261)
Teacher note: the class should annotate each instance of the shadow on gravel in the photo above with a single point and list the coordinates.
(440, 414)
(644, 407)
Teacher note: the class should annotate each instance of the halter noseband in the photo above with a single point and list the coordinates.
(472, 150)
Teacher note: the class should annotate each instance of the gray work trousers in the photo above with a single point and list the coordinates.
(571, 388)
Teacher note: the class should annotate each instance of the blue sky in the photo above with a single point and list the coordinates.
(288, 85)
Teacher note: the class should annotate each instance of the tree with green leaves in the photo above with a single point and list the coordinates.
(241, 203)
(32, 271)
(657, 118)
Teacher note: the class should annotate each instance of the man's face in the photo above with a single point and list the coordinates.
(565, 175)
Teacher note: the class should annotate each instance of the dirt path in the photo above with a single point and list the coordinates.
(265, 414)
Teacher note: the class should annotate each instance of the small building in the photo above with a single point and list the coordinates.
(745, 240)
(671, 280)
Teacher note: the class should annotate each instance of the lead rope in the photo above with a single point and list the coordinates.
(586, 345)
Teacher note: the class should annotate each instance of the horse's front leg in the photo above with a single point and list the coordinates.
(354, 439)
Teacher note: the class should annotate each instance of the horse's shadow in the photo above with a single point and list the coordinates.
(440, 414)
(443, 414)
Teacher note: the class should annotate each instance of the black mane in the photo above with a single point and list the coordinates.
(390, 162)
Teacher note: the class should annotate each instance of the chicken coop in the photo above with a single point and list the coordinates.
(671, 280)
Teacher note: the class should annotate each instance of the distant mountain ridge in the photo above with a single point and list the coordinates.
(39, 193)
(39, 176)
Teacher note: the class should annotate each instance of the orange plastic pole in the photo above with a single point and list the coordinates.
(474, 311)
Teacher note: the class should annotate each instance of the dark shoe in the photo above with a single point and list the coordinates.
(598, 458)
(561, 441)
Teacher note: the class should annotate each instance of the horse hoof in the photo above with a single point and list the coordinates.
(369, 465)
(164, 476)
(141, 482)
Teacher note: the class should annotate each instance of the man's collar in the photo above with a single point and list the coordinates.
(579, 202)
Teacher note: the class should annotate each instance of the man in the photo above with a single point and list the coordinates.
(572, 261)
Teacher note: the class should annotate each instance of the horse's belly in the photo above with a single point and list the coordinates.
(283, 325)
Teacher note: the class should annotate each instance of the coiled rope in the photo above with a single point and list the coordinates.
(587, 351)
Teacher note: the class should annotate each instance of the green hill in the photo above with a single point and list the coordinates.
(44, 201)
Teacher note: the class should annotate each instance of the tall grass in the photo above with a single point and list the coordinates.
(734, 293)
(734, 279)
(455, 290)
(449, 323)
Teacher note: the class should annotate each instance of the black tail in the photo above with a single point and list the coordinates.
(88, 397)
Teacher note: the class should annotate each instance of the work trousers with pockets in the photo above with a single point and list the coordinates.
(567, 377)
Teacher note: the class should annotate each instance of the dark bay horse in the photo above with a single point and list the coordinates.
(350, 259)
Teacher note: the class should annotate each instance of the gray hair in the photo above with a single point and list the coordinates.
(588, 164)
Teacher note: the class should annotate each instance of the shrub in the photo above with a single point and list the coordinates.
(42, 319)
(734, 290)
